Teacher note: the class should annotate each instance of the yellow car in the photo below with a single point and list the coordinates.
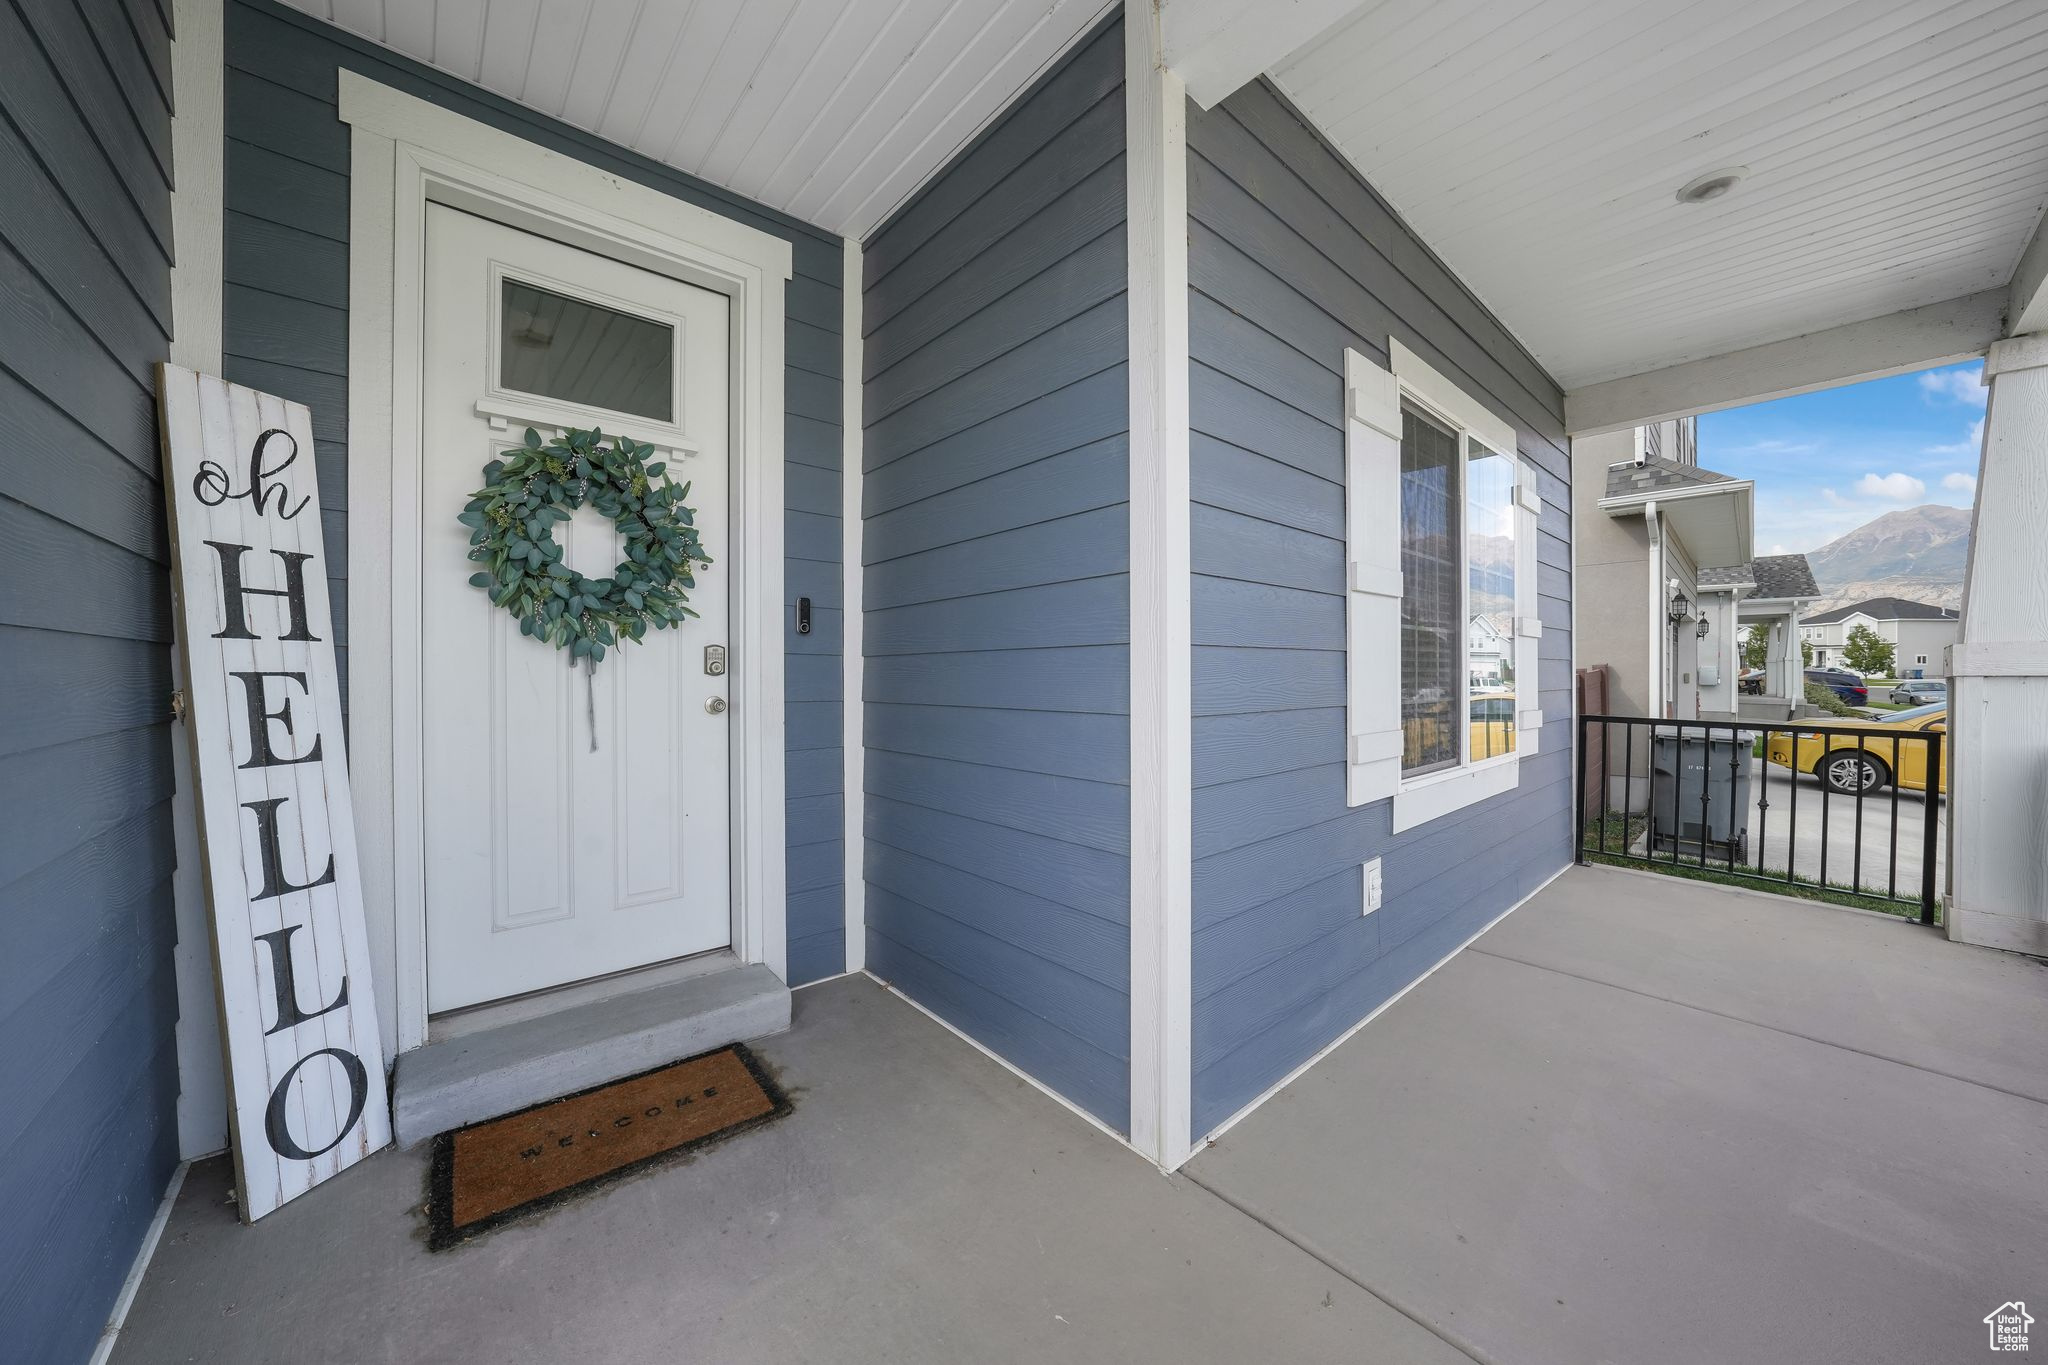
(1493, 727)
(1849, 763)
(1493, 724)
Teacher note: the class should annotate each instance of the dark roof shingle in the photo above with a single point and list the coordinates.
(1735, 576)
(1629, 479)
(1771, 575)
(1886, 609)
(1783, 576)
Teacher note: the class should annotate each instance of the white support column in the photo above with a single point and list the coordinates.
(1162, 835)
(1998, 673)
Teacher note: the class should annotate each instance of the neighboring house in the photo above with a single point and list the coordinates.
(1654, 535)
(1115, 467)
(1918, 633)
(1771, 591)
(1490, 649)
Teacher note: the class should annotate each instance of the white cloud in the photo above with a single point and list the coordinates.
(1775, 447)
(1780, 550)
(1960, 385)
(1832, 498)
(1960, 482)
(1895, 487)
(1969, 445)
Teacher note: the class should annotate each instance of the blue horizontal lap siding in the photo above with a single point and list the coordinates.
(1292, 259)
(996, 526)
(286, 323)
(88, 1007)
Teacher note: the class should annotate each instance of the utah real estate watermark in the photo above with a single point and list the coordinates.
(2007, 1325)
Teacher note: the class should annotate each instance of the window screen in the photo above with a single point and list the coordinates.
(1490, 599)
(1432, 635)
(585, 354)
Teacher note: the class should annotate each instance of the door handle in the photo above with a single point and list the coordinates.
(715, 705)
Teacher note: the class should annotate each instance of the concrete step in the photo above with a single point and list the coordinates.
(496, 1071)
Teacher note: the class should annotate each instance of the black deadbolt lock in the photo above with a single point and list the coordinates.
(803, 616)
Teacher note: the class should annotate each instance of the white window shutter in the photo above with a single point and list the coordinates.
(1528, 622)
(1372, 617)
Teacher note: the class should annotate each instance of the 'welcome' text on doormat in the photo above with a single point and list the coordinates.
(500, 1169)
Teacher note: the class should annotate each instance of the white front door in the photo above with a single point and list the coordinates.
(576, 824)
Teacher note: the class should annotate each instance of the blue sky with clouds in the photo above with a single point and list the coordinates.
(1825, 463)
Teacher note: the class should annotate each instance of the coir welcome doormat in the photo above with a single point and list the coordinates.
(500, 1169)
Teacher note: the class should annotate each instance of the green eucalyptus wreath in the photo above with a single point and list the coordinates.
(511, 522)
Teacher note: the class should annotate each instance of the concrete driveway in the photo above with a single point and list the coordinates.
(1804, 824)
(1823, 819)
(1639, 1120)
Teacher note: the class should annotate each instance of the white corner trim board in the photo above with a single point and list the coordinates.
(406, 152)
(853, 638)
(198, 206)
(1162, 745)
(198, 211)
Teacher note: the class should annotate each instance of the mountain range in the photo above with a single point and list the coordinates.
(1918, 553)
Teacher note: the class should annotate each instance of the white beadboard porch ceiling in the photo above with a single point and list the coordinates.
(1898, 156)
(833, 111)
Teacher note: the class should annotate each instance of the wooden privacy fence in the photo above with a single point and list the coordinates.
(1592, 701)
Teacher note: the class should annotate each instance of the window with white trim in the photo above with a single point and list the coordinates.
(1442, 621)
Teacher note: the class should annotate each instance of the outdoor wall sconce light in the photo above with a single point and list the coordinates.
(1702, 631)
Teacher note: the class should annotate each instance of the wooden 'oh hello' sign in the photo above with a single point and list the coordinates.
(277, 833)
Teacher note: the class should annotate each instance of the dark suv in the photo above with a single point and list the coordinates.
(1842, 683)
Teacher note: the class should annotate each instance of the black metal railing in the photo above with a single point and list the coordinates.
(1692, 808)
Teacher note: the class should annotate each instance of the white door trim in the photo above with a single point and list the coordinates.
(406, 152)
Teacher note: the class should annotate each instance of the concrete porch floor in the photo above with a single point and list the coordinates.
(1639, 1120)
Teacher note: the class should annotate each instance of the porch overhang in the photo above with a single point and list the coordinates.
(1886, 217)
(1898, 343)
(1867, 236)
(1763, 608)
(1713, 520)
(834, 115)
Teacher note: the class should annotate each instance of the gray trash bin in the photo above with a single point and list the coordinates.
(1687, 764)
